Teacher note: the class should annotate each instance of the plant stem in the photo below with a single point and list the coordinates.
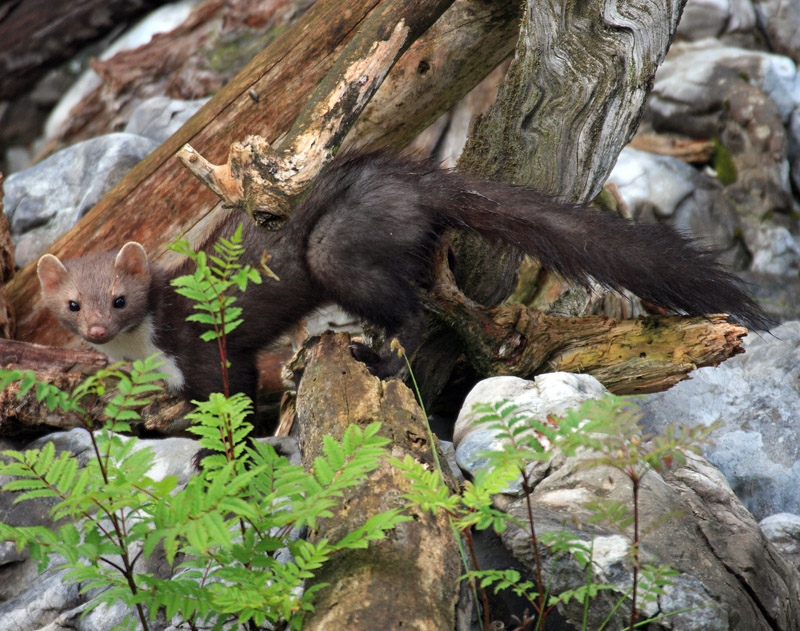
(220, 330)
(635, 480)
(484, 597)
(535, 543)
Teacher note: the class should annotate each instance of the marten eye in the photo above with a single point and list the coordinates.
(119, 302)
(73, 306)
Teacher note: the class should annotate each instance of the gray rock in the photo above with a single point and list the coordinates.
(160, 117)
(775, 251)
(749, 101)
(779, 21)
(729, 574)
(756, 396)
(662, 188)
(783, 531)
(550, 393)
(36, 608)
(685, 82)
(46, 200)
(778, 295)
(714, 18)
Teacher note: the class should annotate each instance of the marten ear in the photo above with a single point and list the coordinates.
(52, 273)
(132, 259)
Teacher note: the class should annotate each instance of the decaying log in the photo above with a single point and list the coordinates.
(686, 149)
(28, 417)
(410, 579)
(470, 39)
(38, 357)
(66, 368)
(263, 182)
(627, 356)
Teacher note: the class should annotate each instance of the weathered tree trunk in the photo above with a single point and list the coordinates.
(37, 357)
(38, 34)
(409, 580)
(463, 46)
(572, 98)
(65, 368)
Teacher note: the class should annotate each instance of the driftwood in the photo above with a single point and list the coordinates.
(117, 217)
(276, 177)
(38, 357)
(686, 149)
(410, 579)
(26, 416)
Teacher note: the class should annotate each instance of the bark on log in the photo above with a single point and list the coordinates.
(470, 39)
(574, 94)
(178, 204)
(66, 368)
(29, 417)
(38, 34)
(410, 579)
(681, 147)
(37, 357)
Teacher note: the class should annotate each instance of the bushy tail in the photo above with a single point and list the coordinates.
(652, 260)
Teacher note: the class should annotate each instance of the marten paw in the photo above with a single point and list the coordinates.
(380, 365)
(368, 357)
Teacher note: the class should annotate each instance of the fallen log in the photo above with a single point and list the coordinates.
(408, 580)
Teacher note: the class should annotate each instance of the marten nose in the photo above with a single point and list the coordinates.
(97, 332)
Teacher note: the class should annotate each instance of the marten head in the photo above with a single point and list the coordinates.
(100, 295)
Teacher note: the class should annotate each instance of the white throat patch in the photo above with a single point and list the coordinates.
(138, 344)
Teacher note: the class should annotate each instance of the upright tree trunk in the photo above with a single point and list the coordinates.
(572, 98)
